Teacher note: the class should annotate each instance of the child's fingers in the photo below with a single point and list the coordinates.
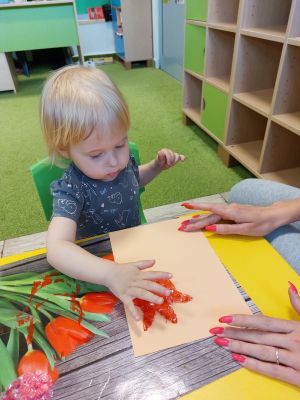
(139, 293)
(128, 303)
(176, 158)
(143, 264)
(154, 275)
(154, 287)
(161, 157)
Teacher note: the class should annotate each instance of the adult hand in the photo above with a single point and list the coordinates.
(241, 219)
(129, 281)
(265, 345)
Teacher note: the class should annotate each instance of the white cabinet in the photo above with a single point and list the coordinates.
(7, 73)
(96, 37)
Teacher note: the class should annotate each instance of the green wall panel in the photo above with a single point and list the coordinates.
(83, 5)
(214, 110)
(194, 48)
(37, 27)
(197, 9)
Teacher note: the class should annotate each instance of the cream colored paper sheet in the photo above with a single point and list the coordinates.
(196, 270)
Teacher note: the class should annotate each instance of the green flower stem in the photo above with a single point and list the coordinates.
(7, 370)
(46, 313)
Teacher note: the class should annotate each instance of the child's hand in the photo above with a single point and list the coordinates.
(166, 158)
(128, 282)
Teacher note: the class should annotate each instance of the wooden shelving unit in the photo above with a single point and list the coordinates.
(287, 104)
(266, 19)
(247, 96)
(256, 72)
(192, 96)
(281, 161)
(132, 24)
(245, 136)
(219, 54)
(222, 12)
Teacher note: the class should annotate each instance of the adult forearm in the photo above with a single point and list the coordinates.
(148, 172)
(287, 211)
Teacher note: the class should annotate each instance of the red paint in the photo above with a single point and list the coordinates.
(38, 305)
(47, 280)
(30, 332)
(109, 256)
(165, 309)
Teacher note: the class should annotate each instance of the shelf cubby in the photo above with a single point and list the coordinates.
(196, 10)
(281, 161)
(267, 19)
(219, 54)
(194, 52)
(223, 14)
(192, 96)
(287, 103)
(242, 84)
(245, 135)
(256, 72)
(294, 33)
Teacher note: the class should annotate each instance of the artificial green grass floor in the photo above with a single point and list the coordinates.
(155, 102)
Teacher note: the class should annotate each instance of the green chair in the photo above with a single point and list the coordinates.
(44, 173)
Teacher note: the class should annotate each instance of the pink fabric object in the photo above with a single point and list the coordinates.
(30, 386)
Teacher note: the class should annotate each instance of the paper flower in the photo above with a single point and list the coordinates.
(27, 297)
(31, 386)
(65, 335)
(36, 360)
(98, 302)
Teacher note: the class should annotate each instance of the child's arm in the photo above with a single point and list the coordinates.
(126, 281)
(165, 159)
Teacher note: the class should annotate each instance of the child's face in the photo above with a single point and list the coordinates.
(101, 156)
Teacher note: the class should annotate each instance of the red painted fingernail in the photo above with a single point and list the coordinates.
(293, 288)
(216, 330)
(186, 222)
(187, 205)
(221, 341)
(211, 228)
(181, 228)
(238, 358)
(226, 319)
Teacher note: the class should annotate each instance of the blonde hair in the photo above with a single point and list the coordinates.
(74, 101)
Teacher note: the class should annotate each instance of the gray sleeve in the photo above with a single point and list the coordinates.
(67, 200)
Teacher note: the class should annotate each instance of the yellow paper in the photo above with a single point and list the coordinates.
(196, 270)
(264, 275)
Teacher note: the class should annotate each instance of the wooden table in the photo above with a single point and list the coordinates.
(107, 368)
